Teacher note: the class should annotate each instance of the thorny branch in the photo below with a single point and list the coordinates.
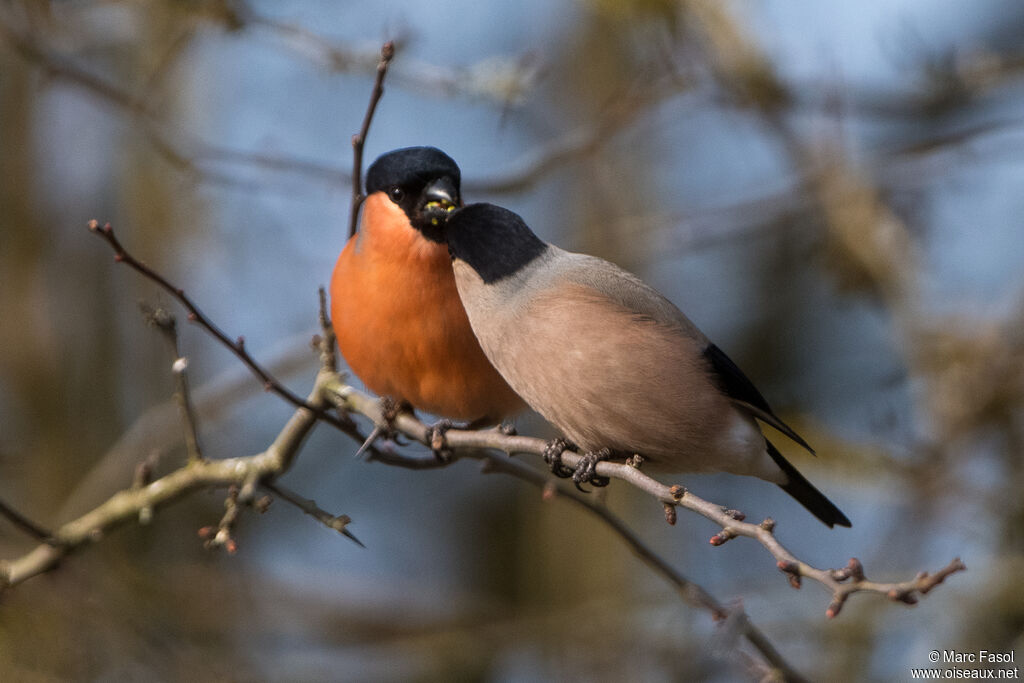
(840, 582)
(127, 505)
(242, 475)
(237, 346)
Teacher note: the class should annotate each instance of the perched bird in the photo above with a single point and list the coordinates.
(397, 315)
(611, 362)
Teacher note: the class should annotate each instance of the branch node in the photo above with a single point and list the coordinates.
(735, 514)
(768, 525)
(677, 492)
(792, 571)
(855, 569)
(635, 461)
(837, 604)
(722, 536)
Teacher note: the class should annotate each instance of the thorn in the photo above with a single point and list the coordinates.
(374, 435)
(192, 317)
(118, 258)
(834, 607)
(207, 532)
(549, 491)
(352, 537)
(268, 385)
(240, 342)
(93, 225)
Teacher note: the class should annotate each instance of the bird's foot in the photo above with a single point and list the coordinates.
(437, 442)
(586, 469)
(553, 457)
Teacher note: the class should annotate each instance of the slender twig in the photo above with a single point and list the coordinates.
(337, 522)
(24, 523)
(126, 505)
(691, 593)
(327, 339)
(164, 321)
(840, 582)
(387, 53)
(237, 346)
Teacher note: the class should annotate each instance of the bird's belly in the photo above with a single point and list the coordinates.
(407, 336)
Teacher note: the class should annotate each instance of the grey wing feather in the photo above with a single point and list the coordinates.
(635, 295)
(630, 292)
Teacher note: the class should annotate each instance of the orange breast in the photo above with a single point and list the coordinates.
(401, 326)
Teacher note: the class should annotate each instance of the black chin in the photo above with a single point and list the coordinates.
(432, 222)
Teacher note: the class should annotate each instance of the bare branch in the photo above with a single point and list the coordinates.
(387, 53)
(24, 523)
(466, 443)
(127, 505)
(337, 522)
(270, 383)
(164, 321)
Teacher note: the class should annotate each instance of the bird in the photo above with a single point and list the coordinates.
(612, 363)
(396, 313)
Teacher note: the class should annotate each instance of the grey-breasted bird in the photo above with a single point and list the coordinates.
(610, 362)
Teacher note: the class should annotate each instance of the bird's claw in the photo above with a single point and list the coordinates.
(586, 469)
(436, 440)
(553, 457)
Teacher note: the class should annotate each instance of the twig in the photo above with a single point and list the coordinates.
(387, 53)
(164, 321)
(337, 522)
(126, 505)
(691, 592)
(24, 523)
(840, 585)
(121, 255)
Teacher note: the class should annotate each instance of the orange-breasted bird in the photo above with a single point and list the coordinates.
(397, 314)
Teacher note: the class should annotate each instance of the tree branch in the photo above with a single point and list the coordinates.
(168, 326)
(270, 383)
(841, 583)
(126, 505)
(387, 53)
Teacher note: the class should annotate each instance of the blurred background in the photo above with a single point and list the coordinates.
(832, 191)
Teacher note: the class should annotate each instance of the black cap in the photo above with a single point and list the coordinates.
(411, 166)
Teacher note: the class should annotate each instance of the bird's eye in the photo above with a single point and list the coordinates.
(397, 194)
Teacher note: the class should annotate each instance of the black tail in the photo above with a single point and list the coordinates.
(805, 493)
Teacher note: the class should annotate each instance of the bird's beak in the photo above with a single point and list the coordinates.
(441, 194)
(440, 197)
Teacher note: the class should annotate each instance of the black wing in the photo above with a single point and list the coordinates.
(741, 390)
